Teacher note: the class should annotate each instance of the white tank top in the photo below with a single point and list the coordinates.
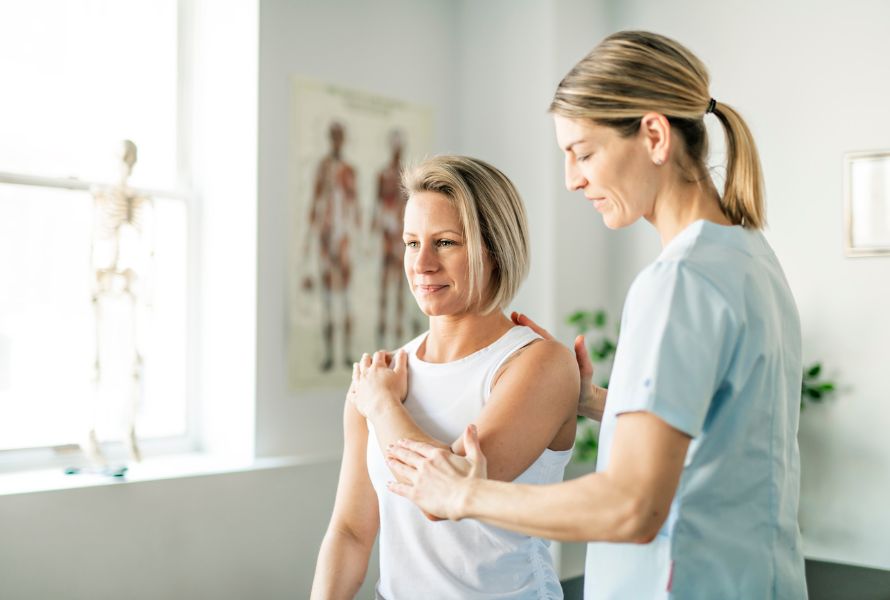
(466, 559)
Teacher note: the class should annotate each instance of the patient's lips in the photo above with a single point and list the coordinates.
(429, 288)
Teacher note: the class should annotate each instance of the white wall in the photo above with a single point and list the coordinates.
(397, 48)
(251, 534)
(513, 54)
(813, 79)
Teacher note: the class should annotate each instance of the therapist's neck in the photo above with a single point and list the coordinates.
(453, 337)
(680, 203)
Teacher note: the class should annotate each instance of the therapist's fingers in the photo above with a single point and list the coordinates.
(380, 359)
(414, 451)
(402, 489)
(521, 319)
(585, 365)
(402, 471)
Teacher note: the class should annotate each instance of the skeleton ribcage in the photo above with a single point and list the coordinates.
(115, 209)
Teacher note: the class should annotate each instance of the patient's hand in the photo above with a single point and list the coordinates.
(377, 381)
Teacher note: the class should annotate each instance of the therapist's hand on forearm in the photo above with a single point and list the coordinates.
(592, 398)
(378, 382)
(436, 480)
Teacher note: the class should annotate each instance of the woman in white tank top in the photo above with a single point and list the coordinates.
(466, 252)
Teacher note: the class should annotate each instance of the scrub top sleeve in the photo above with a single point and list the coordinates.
(673, 349)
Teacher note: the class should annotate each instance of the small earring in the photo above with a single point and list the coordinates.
(659, 161)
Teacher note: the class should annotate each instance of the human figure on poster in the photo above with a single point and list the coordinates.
(387, 223)
(121, 251)
(334, 218)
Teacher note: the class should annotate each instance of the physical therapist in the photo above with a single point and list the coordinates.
(697, 482)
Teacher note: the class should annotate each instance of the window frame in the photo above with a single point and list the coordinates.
(71, 455)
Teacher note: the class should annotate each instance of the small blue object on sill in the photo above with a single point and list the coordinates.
(118, 472)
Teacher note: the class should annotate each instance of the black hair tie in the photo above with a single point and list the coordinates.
(711, 106)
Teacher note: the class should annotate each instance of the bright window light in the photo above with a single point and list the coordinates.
(79, 77)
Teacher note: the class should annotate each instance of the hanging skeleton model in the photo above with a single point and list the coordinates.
(121, 251)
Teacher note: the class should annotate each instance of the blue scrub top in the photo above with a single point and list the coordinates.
(710, 343)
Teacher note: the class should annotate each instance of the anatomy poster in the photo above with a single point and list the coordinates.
(347, 289)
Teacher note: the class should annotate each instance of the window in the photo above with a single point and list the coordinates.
(81, 76)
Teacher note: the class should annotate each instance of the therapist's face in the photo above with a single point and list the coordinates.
(613, 172)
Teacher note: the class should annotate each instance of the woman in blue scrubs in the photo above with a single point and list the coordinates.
(697, 482)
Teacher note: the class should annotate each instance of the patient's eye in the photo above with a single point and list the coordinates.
(411, 243)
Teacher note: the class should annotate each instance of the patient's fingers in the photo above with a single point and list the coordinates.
(401, 362)
(365, 362)
(380, 359)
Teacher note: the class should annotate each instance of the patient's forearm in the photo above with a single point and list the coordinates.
(392, 423)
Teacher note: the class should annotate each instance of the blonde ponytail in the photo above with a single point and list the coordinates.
(742, 198)
(631, 73)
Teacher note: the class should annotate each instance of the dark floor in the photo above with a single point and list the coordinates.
(825, 581)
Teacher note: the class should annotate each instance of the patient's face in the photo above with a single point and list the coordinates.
(436, 257)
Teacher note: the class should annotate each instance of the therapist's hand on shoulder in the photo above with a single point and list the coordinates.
(438, 481)
(592, 398)
(378, 381)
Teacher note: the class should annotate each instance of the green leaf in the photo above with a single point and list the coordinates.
(814, 370)
(599, 319)
(576, 317)
(826, 387)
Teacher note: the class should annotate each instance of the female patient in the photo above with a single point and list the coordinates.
(466, 252)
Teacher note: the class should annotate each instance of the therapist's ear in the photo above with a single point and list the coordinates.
(655, 134)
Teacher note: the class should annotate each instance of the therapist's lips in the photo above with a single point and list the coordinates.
(598, 203)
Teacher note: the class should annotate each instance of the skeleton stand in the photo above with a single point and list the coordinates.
(117, 257)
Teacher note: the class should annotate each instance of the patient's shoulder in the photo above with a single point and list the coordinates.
(541, 359)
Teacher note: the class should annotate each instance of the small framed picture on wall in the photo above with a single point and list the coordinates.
(867, 203)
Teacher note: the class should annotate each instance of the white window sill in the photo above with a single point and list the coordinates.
(151, 469)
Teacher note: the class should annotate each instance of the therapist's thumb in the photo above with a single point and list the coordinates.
(585, 365)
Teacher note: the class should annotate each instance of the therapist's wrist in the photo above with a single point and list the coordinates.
(470, 499)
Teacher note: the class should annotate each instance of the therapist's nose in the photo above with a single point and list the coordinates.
(574, 179)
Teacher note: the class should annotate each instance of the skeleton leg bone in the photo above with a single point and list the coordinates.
(136, 388)
(90, 444)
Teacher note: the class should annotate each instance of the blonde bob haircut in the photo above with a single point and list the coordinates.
(492, 217)
(631, 73)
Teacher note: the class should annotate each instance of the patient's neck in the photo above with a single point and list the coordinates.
(453, 337)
